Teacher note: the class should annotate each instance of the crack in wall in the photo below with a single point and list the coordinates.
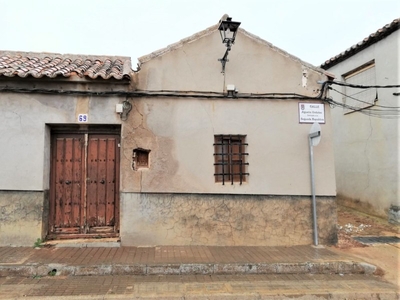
(20, 206)
(141, 117)
(366, 153)
(188, 64)
(22, 217)
(137, 135)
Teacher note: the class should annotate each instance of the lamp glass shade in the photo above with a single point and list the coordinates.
(228, 30)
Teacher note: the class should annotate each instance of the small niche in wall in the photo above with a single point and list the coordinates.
(140, 158)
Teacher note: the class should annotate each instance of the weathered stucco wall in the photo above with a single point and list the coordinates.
(367, 148)
(179, 133)
(224, 220)
(26, 119)
(254, 66)
(181, 202)
(23, 217)
(24, 133)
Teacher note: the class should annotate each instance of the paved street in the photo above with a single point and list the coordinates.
(299, 286)
(200, 272)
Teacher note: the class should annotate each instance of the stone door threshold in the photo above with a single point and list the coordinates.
(85, 243)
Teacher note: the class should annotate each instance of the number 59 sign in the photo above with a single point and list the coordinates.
(83, 118)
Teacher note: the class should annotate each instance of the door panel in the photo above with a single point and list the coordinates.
(67, 183)
(92, 195)
(101, 182)
(111, 179)
(84, 184)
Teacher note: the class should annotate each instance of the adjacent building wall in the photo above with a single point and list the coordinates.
(367, 148)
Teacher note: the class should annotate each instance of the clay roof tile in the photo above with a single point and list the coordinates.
(371, 39)
(40, 65)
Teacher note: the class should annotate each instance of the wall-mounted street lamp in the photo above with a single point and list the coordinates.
(227, 29)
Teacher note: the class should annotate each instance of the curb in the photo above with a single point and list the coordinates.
(327, 267)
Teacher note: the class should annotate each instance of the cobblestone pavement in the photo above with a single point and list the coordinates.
(284, 286)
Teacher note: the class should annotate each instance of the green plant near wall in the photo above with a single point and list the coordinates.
(38, 243)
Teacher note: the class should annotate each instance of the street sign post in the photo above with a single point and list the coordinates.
(314, 138)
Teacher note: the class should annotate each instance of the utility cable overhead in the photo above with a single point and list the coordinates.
(380, 111)
(375, 105)
(362, 86)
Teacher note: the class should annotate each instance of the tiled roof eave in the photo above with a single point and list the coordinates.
(365, 43)
(43, 65)
(72, 77)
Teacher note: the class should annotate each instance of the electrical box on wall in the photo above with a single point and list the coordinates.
(119, 108)
(230, 87)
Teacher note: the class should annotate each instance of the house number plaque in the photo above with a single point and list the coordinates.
(83, 118)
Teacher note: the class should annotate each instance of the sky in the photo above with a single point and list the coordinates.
(312, 30)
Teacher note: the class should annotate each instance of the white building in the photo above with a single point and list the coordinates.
(366, 123)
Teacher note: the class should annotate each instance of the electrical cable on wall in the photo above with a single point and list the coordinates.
(163, 93)
(369, 111)
(381, 111)
(362, 86)
(375, 105)
(373, 110)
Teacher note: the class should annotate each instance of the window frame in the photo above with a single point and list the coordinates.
(350, 98)
(230, 158)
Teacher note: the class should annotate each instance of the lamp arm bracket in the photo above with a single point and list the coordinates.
(224, 59)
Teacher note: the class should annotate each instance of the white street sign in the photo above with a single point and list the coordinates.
(311, 112)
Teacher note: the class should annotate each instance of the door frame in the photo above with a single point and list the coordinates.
(77, 129)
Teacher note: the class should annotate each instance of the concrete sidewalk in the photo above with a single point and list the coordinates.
(177, 260)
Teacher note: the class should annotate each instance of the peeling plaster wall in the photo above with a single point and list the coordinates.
(224, 220)
(176, 200)
(180, 134)
(366, 148)
(23, 217)
(180, 131)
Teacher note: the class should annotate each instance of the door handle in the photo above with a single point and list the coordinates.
(102, 181)
(67, 182)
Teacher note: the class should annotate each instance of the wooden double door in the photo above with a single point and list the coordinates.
(84, 181)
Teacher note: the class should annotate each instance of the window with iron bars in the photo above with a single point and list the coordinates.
(230, 158)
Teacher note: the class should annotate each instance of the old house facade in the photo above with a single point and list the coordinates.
(366, 123)
(166, 154)
(55, 129)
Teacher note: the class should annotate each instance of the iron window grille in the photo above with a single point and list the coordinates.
(230, 158)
